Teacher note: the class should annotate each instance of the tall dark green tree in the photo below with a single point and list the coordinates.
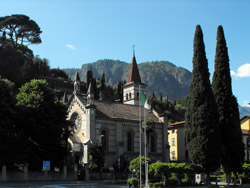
(161, 96)
(202, 133)
(103, 82)
(89, 77)
(229, 122)
(119, 91)
(10, 134)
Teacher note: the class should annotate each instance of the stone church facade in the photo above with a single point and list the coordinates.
(114, 125)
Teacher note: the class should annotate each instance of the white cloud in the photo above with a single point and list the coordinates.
(246, 103)
(242, 71)
(72, 47)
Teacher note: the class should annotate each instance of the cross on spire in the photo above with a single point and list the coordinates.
(133, 49)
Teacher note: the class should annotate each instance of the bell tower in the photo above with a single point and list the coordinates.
(132, 89)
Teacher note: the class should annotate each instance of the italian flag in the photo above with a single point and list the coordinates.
(144, 102)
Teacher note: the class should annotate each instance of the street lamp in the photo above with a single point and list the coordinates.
(133, 172)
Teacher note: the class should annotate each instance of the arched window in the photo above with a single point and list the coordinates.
(153, 142)
(126, 96)
(130, 142)
(137, 95)
(104, 140)
(130, 96)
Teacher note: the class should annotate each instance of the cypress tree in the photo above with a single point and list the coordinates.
(89, 77)
(231, 136)
(201, 125)
(153, 95)
(103, 82)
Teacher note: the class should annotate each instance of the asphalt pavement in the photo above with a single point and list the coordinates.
(75, 184)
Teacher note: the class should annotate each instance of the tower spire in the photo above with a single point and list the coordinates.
(134, 75)
(77, 84)
(133, 50)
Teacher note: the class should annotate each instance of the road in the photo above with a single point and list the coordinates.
(59, 185)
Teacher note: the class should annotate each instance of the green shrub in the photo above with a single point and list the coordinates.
(158, 184)
(132, 182)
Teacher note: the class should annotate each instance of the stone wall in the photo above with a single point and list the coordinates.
(26, 175)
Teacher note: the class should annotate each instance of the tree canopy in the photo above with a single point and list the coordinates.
(44, 122)
(20, 29)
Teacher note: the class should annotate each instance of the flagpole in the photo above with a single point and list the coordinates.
(145, 141)
(140, 128)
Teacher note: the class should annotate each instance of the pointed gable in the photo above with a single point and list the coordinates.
(77, 77)
(134, 75)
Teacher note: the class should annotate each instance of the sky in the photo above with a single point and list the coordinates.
(76, 32)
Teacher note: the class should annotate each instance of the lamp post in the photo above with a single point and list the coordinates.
(133, 172)
(119, 166)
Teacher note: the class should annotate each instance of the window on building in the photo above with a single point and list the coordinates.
(152, 142)
(130, 141)
(137, 95)
(173, 155)
(130, 96)
(186, 155)
(104, 140)
(173, 131)
(126, 96)
(173, 141)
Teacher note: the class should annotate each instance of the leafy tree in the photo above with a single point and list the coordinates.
(10, 134)
(135, 164)
(14, 62)
(58, 73)
(44, 123)
(20, 29)
(231, 136)
(201, 125)
(160, 168)
(96, 157)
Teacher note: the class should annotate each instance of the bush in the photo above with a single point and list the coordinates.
(158, 184)
(132, 182)
(173, 181)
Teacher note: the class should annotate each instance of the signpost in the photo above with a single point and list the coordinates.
(46, 165)
(111, 169)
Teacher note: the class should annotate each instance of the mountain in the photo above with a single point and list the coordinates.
(244, 111)
(160, 76)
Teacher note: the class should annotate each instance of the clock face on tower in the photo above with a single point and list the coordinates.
(77, 123)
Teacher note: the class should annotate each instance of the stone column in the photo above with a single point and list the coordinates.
(75, 172)
(165, 143)
(46, 175)
(65, 173)
(87, 176)
(4, 173)
(25, 173)
(119, 141)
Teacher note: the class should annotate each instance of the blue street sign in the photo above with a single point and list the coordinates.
(46, 165)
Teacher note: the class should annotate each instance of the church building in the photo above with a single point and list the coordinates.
(115, 126)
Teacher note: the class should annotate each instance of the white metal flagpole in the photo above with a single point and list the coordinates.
(140, 128)
(145, 143)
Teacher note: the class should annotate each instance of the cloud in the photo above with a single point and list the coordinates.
(72, 47)
(246, 103)
(242, 71)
